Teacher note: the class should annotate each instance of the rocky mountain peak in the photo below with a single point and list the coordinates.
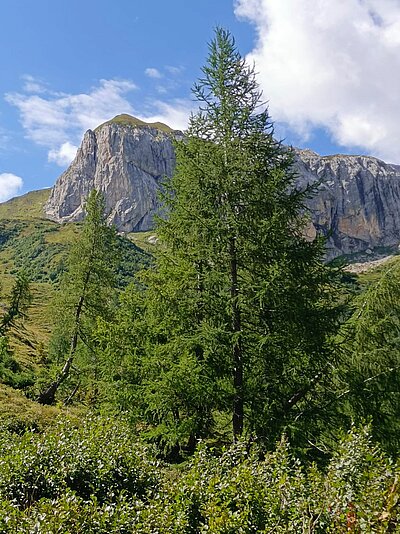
(358, 201)
(126, 159)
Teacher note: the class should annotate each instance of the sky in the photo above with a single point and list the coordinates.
(329, 70)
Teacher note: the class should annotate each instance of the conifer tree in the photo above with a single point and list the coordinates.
(87, 289)
(237, 313)
(372, 337)
(19, 300)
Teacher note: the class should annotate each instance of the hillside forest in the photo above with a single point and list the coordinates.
(215, 375)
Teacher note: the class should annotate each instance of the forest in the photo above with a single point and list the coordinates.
(225, 379)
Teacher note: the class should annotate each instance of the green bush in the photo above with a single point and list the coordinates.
(239, 493)
(95, 479)
(98, 459)
(11, 372)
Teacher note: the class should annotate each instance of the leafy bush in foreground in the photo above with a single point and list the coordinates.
(98, 459)
(96, 479)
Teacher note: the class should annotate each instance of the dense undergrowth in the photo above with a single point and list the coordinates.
(97, 477)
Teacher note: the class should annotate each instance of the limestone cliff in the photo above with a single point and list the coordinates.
(358, 200)
(124, 158)
(357, 204)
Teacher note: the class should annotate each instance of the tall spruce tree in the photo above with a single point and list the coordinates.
(87, 289)
(237, 313)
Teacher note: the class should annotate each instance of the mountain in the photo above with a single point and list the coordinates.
(357, 204)
(32, 242)
(126, 159)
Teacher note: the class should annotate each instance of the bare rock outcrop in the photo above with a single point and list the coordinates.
(126, 159)
(358, 201)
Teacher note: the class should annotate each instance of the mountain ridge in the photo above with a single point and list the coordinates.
(357, 204)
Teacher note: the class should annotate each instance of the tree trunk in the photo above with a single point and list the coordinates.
(48, 395)
(237, 356)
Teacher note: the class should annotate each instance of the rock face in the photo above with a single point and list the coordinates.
(358, 200)
(357, 205)
(126, 159)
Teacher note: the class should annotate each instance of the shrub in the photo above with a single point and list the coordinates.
(96, 479)
(98, 459)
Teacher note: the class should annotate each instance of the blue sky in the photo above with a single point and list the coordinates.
(329, 69)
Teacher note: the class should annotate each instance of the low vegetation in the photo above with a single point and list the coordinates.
(128, 120)
(99, 478)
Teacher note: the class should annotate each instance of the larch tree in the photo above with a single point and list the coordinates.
(19, 301)
(87, 289)
(372, 338)
(236, 315)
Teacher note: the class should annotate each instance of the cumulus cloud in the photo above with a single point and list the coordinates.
(153, 73)
(172, 69)
(175, 113)
(10, 186)
(63, 155)
(332, 64)
(58, 120)
(33, 85)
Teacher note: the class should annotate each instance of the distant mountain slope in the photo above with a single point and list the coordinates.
(25, 206)
(32, 242)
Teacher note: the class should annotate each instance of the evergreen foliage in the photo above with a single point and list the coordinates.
(228, 334)
(19, 300)
(372, 338)
(237, 314)
(87, 292)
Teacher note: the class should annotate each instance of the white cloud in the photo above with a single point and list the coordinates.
(63, 155)
(333, 64)
(57, 121)
(175, 113)
(10, 186)
(33, 85)
(153, 73)
(174, 70)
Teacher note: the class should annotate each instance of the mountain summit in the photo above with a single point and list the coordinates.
(357, 205)
(126, 159)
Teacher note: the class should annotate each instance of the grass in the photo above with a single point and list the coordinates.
(143, 240)
(30, 205)
(368, 277)
(29, 241)
(127, 120)
(18, 412)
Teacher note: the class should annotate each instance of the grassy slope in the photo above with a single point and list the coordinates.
(18, 412)
(128, 120)
(21, 219)
(26, 206)
(28, 240)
